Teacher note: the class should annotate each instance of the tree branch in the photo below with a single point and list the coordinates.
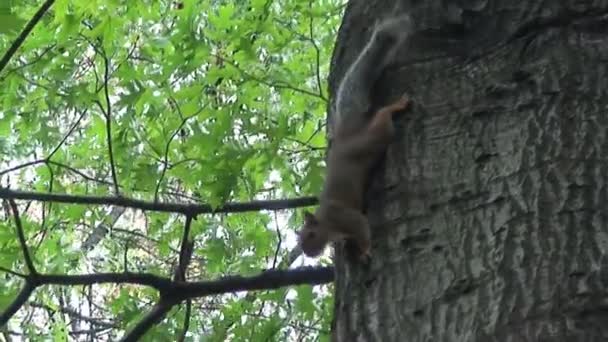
(174, 292)
(187, 209)
(21, 235)
(185, 253)
(271, 279)
(17, 303)
(159, 283)
(186, 327)
(279, 243)
(156, 315)
(26, 31)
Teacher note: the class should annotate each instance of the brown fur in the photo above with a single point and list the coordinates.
(349, 163)
(358, 144)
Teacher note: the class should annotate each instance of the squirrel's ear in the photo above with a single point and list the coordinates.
(309, 218)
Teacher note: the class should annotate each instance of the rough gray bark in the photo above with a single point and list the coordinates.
(490, 215)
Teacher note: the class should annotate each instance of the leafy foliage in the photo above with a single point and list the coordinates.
(185, 101)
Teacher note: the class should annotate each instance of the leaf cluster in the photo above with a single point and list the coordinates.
(196, 101)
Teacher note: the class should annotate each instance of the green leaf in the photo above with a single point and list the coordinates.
(59, 331)
(74, 212)
(7, 295)
(5, 126)
(10, 23)
(305, 302)
(223, 20)
(216, 79)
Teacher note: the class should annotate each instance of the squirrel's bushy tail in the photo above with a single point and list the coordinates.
(354, 92)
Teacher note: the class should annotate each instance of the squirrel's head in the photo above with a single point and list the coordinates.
(312, 237)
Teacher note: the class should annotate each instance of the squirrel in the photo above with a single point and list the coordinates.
(358, 144)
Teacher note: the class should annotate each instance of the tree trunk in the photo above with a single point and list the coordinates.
(489, 214)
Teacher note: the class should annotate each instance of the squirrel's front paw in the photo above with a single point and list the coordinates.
(404, 101)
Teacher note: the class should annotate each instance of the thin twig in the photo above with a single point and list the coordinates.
(9, 271)
(140, 236)
(76, 315)
(54, 163)
(43, 227)
(276, 251)
(24, 165)
(32, 62)
(168, 144)
(106, 81)
(318, 51)
(182, 336)
(47, 159)
(70, 131)
(129, 55)
(78, 172)
(304, 143)
(21, 235)
(37, 84)
(271, 84)
(316, 131)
